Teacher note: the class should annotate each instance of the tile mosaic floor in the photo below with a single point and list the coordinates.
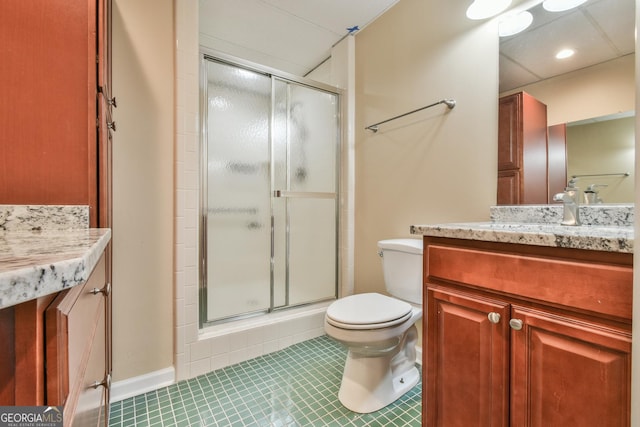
(297, 386)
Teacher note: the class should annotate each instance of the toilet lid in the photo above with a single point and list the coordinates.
(368, 311)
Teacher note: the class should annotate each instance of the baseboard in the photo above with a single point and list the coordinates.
(130, 387)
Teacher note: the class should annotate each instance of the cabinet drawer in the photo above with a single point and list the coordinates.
(590, 286)
(74, 322)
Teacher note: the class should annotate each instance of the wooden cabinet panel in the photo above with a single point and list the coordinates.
(509, 187)
(565, 322)
(92, 399)
(76, 345)
(105, 156)
(569, 372)
(470, 360)
(104, 47)
(522, 147)
(22, 372)
(537, 278)
(7, 358)
(48, 103)
(509, 132)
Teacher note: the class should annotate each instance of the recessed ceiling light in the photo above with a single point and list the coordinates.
(561, 5)
(565, 53)
(513, 24)
(482, 9)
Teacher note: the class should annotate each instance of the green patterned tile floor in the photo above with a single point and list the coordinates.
(297, 386)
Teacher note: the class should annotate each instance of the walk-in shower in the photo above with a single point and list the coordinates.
(269, 199)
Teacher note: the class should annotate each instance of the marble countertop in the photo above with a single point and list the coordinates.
(38, 263)
(606, 227)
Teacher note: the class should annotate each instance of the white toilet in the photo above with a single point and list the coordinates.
(380, 331)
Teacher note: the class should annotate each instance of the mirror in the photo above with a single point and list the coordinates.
(592, 92)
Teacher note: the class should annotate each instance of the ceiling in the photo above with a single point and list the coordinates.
(599, 30)
(296, 36)
(290, 35)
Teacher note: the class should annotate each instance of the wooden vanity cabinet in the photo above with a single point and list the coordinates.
(522, 150)
(76, 351)
(525, 336)
(56, 351)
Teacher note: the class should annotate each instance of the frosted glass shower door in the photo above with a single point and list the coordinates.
(269, 202)
(305, 143)
(238, 217)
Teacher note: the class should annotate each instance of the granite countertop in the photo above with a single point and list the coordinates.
(42, 261)
(596, 238)
(539, 225)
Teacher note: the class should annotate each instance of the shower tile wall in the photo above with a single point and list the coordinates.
(221, 351)
(186, 170)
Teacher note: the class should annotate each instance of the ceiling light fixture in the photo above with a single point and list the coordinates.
(514, 23)
(482, 9)
(565, 53)
(561, 5)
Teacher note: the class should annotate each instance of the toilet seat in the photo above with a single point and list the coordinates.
(368, 311)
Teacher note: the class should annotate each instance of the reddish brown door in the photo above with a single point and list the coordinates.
(567, 372)
(467, 361)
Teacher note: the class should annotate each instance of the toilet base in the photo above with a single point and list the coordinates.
(371, 383)
(366, 388)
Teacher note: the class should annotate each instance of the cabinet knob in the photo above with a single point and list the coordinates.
(494, 317)
(106, 382)
(516, 324)
(106, 290)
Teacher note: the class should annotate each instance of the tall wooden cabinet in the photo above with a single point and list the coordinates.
(522, 150)
(55, 149)
(526, 336)
(54, 67)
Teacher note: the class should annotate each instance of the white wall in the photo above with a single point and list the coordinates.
(435, 165)
(604, 147)
(600, 90)
(143, 82)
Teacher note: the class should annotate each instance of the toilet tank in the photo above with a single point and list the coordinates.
(402, 268)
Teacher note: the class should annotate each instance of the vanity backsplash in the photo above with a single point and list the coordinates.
(601, 215)
(43, 217)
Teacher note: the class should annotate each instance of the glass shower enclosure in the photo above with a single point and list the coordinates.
(269, 199)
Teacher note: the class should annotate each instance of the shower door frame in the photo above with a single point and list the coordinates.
(205, 55)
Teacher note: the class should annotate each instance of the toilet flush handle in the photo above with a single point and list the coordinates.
(380, 253)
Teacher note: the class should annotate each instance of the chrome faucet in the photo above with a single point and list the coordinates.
(570, 199)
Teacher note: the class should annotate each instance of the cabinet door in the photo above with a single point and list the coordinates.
(509, 187)
(76, 345)
(567, 372)
(48, 103)
(91, 409)
(509, 131)
(466, 360)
